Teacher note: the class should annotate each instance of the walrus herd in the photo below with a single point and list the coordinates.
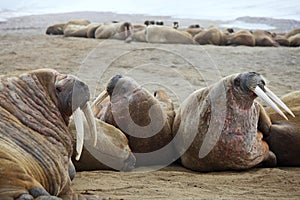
(220, 127)
(157, 32)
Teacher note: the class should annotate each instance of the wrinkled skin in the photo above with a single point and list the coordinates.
(35, 145)
(129, 110)
(225, 122)
(284, 139)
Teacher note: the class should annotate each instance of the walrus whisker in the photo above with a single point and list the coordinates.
(278, 101)
(259, 92)
(99, 98)
(78, 120)
(88, 113)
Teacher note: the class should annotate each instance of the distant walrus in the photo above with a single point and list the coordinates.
(281, 39)
(35, 145)
(295, 40)
(164, 35)
(264, 38)
(242, 37)
(120, 31)
(292, 32)
(210, 36)
(87, 31)
(284, 139)
(222, 126)
(145, 119)
(58, 29)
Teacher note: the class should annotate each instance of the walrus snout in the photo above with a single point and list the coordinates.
(249, 81)
(255, 82)
(72, 94)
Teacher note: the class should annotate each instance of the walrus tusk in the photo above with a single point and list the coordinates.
(259, 92)
(278, 101)
(78, 120)
(87, 110)
(100, 98)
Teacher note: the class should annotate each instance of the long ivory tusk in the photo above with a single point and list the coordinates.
(278, 101)
(87, 110)
(259, 92)
(78, 120)
(99, 98)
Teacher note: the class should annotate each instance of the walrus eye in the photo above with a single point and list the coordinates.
(155, 93)
(58, 89)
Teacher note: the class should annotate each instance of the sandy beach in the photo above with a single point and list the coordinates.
(180, 69)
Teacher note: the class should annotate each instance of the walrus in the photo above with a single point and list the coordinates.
(294, 40)
(111, 152)
(87, 31)
(91, 29)
(72, 30)
(146, 119)
(264, 38)
(35, 145)
(241, 37)
(57, 29)
(221, 127)
(161, 34)
(120, 31)
(292, 32)
(284, 139)
(210, 36)
(281, 39)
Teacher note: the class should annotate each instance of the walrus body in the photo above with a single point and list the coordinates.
(210, 36)
(59, 29)
(224, 126)
(241, 38)
(295, 40)
(35, 145)
(167, 35)
(111, 152)
(264, 38)
(146, 120)
(120, 31)
(284, 139)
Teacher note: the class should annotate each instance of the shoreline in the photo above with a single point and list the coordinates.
(39, 21)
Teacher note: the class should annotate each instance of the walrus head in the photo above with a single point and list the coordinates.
(71, 97)
(251, 85)
(71, 94)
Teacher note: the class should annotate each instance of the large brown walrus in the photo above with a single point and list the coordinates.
(35, 145)
(221, 127)
(284, 139)
(145, 119)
